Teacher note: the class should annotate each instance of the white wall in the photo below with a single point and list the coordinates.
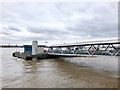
(40, 50)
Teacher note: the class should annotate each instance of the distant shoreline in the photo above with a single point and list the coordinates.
(12, 46)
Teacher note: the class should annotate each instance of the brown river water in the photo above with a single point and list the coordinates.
(76, 72)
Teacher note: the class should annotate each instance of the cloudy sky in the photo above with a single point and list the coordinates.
(23, 22)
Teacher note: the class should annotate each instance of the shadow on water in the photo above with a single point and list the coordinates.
(30, 66)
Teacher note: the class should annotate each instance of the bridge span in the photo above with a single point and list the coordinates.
(106, 47)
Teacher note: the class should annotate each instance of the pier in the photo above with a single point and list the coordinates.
(109, 47)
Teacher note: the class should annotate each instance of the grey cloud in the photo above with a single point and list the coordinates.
(78, 20)
(11, 28)
(48, 33)
(45, 30)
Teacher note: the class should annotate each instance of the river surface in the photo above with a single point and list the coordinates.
(77, 72)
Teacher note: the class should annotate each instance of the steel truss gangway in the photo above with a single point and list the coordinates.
(107, 47)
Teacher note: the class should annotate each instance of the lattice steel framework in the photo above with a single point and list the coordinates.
(112, 49)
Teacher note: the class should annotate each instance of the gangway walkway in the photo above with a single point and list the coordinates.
(106, 47)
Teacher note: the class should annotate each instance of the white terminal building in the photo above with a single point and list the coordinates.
(34, 49)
